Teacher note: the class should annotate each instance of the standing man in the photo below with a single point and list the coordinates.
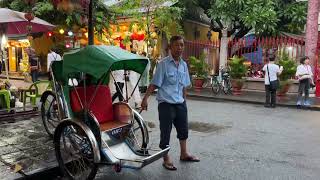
(52, 56)
(171, 79)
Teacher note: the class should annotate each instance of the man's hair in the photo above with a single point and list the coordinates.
(271, 54)
(175, 38)
(53, 48)
(272, 58)
(303, 59)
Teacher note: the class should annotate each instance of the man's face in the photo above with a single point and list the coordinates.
(176, 48)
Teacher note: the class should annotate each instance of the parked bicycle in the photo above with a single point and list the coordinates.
(219, 82)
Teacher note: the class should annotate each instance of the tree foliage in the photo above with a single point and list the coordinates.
(264, 16)
(68, 17)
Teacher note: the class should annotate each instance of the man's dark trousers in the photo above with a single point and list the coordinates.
(176, 114)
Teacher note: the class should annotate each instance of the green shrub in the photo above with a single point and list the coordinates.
(289, 67)
(237, 68)
(199, 67)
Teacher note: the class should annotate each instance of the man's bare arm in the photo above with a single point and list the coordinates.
(185, 93)
(144, 104)
(150, 90)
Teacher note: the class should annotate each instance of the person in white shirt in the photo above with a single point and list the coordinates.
(52, 56)
(271, 74)
(305, 76)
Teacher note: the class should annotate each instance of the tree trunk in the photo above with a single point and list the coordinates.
(90, 24)
(223, 49)
(312, 29)
(164, 45)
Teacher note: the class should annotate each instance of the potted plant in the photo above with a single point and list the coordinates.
(199, 70)
(237, 71)
(289, 70)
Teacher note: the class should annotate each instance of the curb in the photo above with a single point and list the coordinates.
(219, 99)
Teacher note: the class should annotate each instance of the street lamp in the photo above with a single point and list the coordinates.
(4, 54)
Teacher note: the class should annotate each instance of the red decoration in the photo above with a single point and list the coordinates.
(30, 2)
(140, 37)
(49, 34)
(29, 16)
(136, 36)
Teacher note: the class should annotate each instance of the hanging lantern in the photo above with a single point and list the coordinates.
(49, 34)
(30, 2)
(29, 28)
(140, 37)
(134, 36)
(70, 33)
(61, 31)
(56, 2)
(29, 16)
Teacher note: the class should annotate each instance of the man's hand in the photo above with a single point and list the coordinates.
(144, 104)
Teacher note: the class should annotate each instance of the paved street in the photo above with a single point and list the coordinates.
(240, 141)
(233, 140)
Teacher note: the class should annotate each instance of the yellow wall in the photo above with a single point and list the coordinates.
(190, 27)
(42, 46)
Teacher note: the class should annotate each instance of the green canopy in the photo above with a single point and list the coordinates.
(98, 60)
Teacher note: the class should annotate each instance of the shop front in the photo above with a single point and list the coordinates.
(17, 57)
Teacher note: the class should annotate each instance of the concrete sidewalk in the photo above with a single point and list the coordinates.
(252, 97)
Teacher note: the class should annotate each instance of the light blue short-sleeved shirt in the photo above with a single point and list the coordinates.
(170, 80)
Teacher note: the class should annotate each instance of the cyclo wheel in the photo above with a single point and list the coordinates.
(138, 136)
(50, 113)
(76, 150)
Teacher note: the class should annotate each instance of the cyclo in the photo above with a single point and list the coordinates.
(88, 129)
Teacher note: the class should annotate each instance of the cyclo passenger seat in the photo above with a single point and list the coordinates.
(101, 106)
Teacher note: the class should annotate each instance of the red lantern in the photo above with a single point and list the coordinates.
(140, 37)
(134, 36)
(30, 2)
(29, 16)
(122, 45)
(49, 34)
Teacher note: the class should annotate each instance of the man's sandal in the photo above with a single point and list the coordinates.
(169, 166)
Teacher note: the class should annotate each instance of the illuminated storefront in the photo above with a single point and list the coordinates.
(17, 58)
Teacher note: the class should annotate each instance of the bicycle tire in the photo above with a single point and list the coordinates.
(227, 86)
(215, 87)
(205, 83)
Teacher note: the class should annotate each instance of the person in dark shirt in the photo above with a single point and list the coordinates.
(34, 64)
